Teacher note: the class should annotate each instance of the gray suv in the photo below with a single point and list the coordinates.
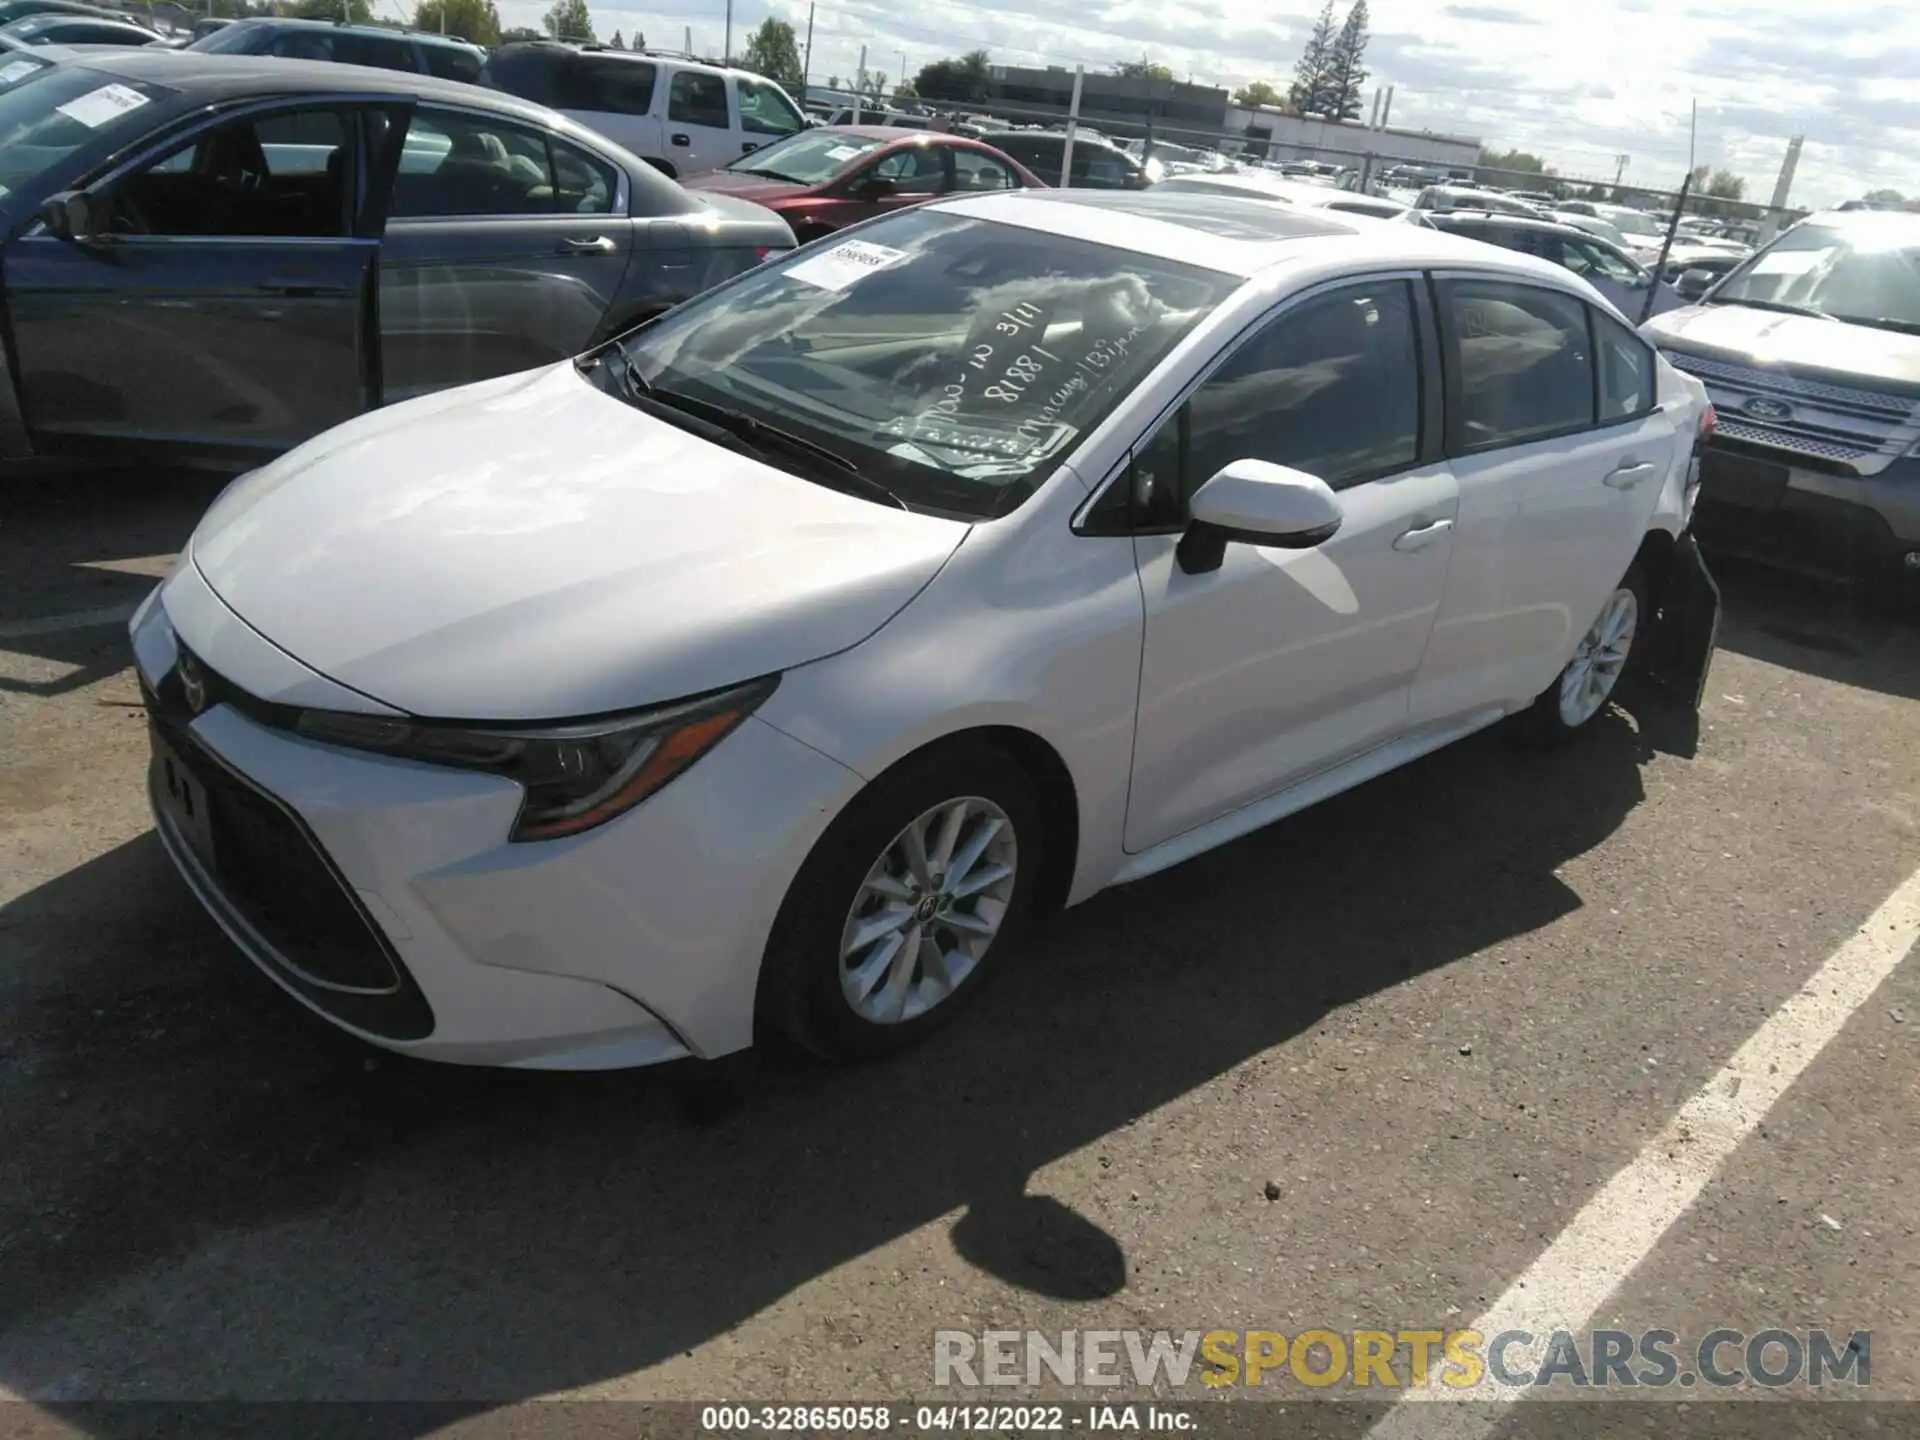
(1811, 353)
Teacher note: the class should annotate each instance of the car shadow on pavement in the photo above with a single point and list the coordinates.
(65, 546)
(1819, 628)
(210, 1194)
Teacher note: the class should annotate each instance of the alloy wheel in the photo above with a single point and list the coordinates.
(928, 910)
(1588, 681)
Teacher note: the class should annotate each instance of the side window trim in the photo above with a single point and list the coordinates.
(1086, 520)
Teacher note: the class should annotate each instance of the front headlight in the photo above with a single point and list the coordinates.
(576, 775)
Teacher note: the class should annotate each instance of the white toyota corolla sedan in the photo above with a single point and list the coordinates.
(758, 674)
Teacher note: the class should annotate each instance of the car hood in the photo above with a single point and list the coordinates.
(532, 548)
(1855, 355)
(742, 186)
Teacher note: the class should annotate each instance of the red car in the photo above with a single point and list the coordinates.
(822, 179)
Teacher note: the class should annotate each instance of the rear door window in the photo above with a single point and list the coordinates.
(697, 98)
(450, 62)
(464, 165)
(1522, 363)
(613, 86)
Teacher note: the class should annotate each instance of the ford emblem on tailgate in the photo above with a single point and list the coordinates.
(1763, 407)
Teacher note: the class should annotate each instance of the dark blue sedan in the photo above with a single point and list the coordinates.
(210, 258)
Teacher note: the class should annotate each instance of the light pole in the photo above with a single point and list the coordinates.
(727, 50)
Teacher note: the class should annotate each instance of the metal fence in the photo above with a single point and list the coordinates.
(1380, 161)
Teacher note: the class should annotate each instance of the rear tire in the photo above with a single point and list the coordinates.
(901, 913)
(1583, 689)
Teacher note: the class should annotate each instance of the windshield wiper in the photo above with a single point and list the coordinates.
(1780, 305)
(1882, 322)
(771, 175)
(757, 434)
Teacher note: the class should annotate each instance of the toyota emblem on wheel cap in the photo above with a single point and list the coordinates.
(1764, 407)
(193, 682)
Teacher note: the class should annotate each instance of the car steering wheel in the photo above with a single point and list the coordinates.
(125, 217)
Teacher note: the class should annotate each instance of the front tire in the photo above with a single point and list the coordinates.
(905, 906)
(1582, 690)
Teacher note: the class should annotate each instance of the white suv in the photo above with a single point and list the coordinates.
(682, 115)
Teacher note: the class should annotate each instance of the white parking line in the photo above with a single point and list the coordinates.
(1620, 1226)
(75, 620)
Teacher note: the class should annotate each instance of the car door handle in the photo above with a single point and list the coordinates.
(749, 147)
(680, 140)
(1421, 536)
(598, 245)
(297, 287)
(1625, 477)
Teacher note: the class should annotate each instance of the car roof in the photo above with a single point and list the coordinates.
(1865, 219)
(1444, 218)
(289, 22)
(1235, 236)
(47, 19)
(652, 57)
(996, 135)
(895, 132)
(217, 77)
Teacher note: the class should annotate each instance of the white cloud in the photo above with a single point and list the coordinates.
(1576, 83)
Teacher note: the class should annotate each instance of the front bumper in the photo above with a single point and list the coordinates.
(1816, 522)
(635, 943)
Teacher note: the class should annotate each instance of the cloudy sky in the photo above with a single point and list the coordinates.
(1578, 83)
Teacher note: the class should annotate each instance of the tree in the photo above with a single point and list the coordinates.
(1309, 93)
(617, 42)
(569, 20)
(1257, 92)
(1346, 76)
(774, 51)
(1725, 185)
(1501, 167)
(1891, 198)
(833, 82)
(355, 12)
(906, 90)
(964, 79)
(476, 21)
(519, 34)
(1144, 69)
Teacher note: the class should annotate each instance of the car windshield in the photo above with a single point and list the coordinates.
(810, 158)
(1868, 274)
(955, 361)
(49, 113)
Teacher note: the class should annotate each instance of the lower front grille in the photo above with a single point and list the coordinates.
(272, 886)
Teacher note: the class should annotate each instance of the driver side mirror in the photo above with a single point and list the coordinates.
(1257, 503)
(74, 216)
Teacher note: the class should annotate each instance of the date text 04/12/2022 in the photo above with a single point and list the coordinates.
(961, 1418)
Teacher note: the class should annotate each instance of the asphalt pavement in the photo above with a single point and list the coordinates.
(1358, 1071)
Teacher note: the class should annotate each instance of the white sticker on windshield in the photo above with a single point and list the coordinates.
(1789, 262)
(843, 152)
(97, 107)
(18, 70)
(845, 263)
